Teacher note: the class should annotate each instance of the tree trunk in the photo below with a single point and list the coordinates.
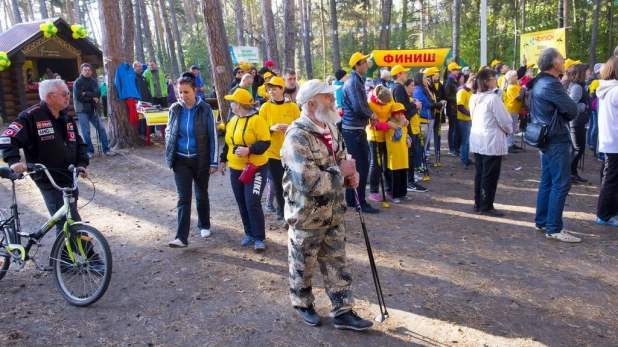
(139, 43)
(386, 24)
(170, 40)
(68, 7)
(322, 20)
(147, 33)
(15, 10)
(404, 25)
(189, 12)
(334, 25)
(161, 47)
(181, 55)
(306, 29)
(218, 52)
(593, 39)
(456, 16)
(252, 33)
(523, 16)
(289, 29)
(78, 15)
(423, 16)
(122, 134)
(43, 9)
(240, 22)
(269, 31)
(128, 30)
(52, 11)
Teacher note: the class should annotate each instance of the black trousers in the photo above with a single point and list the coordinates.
(275, 169)
(607, 206)
(486, 180)
(454, 134)
(400, 183)
(578, 138)
(412, 153)
(186, 174)
(104, 104)
(374, 168)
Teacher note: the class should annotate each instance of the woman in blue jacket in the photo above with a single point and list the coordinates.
(425, 97)
(191, 152)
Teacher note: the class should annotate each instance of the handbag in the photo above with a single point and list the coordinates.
(536, 135)
(248, 172)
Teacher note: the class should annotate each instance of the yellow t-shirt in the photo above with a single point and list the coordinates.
(384, 113)
(397, 151)
(499, 82)
(593, 86)
(463, 98)
(415, 123)
(513, 106)
(273, 114)
(255, 129)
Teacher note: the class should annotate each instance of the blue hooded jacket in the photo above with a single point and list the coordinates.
(125, 83)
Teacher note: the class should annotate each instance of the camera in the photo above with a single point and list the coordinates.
(235, 148)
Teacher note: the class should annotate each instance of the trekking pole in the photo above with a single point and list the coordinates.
(438, 138)
(374, 271)
(424, 157)
(379, 157)
(582, 161)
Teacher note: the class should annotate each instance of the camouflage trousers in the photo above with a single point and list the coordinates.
(327, 247)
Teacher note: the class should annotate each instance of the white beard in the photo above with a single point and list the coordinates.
(327, 114)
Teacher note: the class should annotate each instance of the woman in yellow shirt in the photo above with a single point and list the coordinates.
(380, 102)
(246, 140)
(464, 120)
(278, 113)
(513, 98)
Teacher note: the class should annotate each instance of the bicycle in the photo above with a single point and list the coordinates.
(80, 259)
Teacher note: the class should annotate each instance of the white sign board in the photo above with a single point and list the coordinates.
(246, 54)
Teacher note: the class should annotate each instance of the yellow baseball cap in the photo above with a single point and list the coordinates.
(570, 62)
(241, 96)
(397, 107)
(267, 74)
(356, 57)
(398, 69)
(244, 66)
(453, 66)
(432, 71)
(495, 62)
(276, 81)
(530, 65)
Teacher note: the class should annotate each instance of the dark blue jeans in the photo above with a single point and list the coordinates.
(357, 146)
(185, 173)
(248, 198)
(85, 119)
(465, 127)
(593, 130)
(554, 187)
(454, 135)
(53, 202)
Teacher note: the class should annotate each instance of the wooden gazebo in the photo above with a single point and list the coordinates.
(31, 54)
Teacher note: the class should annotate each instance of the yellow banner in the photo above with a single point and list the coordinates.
(411, 58)
(532, 44)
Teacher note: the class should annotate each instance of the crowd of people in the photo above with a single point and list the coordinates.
(309, 142)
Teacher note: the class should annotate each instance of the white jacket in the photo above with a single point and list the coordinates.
(490, 124)
(607, 92)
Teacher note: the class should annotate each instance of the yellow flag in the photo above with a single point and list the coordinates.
(532, 44)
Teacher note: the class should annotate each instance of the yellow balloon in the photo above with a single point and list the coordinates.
(8, 64)
(3, 63)
(74, 27)
(3, 55)
(47, 35)
(1, 68)
(43, 27)
(75, 36)
(54, 30)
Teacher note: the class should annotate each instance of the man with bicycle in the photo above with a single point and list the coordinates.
(49, 136)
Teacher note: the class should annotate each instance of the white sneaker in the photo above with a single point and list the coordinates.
(177, 244)
(428, 153)
(205, 232)
(563, 236)
(417, 177)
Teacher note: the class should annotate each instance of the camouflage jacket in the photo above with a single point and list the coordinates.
(312, 181)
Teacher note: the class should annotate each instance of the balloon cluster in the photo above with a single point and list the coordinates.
(79, 32)
(4, 61)
(48, 29)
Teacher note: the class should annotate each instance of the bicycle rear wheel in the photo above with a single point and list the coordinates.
(5, 257)
(84, 281)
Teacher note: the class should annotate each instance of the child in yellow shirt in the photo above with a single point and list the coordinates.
(397, 144)
(380, 102)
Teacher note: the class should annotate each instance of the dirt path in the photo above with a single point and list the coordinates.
(451, 277)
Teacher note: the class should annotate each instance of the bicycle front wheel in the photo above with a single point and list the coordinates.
(84, 279)
(5, 257)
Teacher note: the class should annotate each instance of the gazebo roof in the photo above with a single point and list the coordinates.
(22, 34)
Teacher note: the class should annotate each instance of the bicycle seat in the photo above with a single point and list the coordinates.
(6, 172)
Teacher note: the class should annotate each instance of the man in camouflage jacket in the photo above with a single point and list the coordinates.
(316, 171)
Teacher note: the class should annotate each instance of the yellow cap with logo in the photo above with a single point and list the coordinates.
(356, 57)
(241, 96)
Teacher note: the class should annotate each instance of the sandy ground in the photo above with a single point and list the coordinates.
(450, 277)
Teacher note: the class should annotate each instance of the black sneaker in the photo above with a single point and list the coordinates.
(350, 320)
(366, 208)
(512, 150)
(415, 187)
(309, 316)
(516, 147)
(492, 212)
(476, 208)
(580, 179)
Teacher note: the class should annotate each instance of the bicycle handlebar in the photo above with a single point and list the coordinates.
(6, 172)
(36, 168)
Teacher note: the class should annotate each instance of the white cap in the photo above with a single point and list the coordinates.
(312, 88)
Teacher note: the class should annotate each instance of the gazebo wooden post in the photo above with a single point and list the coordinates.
(18, 62)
